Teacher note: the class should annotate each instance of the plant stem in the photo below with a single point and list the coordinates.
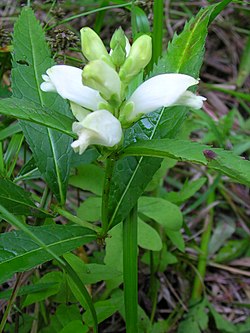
(157, 30)
(11, 301)
(68, 19)
(130, 271)
(110, 162)
(203, 257)
(76, 219)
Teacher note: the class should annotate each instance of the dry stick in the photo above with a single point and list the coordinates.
(203, 257)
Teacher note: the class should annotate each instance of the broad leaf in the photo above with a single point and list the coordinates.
(19, 252)
(31, 59)
(35, 113)
(17, 201)
(218, 159)
(132, 174)
(161, 211)
(181, 150)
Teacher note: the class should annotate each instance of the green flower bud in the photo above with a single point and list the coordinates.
(118, 38)
(93, 47)
(100, 76)
(118, 48)
(138, 58)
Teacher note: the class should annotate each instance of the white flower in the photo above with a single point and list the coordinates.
(161, 90)
(97, 128)
(67, 82)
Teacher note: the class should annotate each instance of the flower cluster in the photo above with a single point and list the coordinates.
(97, 94)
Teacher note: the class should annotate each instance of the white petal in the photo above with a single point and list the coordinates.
(160, 90)
(190, 99)
(78, 111)
(98, 128)
(127, 47)
(67, 82)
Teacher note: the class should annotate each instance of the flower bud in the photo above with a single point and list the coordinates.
(100, 76)
(138, 58)
(118, 38)
(93, 47)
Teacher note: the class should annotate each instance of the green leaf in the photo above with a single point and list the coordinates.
(218, 159)
(232, 250)
(31, 59)
(89, 178)
(186, 192)
(19, 252)
(148, 237)
(132, 174)
(176, 238)
(29, 289)
(33, 112)
(90, 209)
(91, 273)
(17, 201)
(181, 150)
(222, 324)
(161, 211)
(65, 314)
(231, 165)
(105, 309)
(53, 280)
(196, 320)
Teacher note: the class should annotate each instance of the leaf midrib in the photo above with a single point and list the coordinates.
(47, 246)
(49, 131)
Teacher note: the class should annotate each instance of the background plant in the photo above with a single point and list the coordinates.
(163, 256)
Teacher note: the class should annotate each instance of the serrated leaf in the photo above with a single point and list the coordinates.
(31, 59)
(19, 252)
(181, 150)
(17, 201)
(231, 165)
(218, 159)
(132, 174)
(35, 113)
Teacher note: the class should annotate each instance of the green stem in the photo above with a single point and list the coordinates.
(157, 30)
(110, 162)
(11, 301)
(100, 17)
(75, 219)
(68, 19)
(130, 271)
(203, 257)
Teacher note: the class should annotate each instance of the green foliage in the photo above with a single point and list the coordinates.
(126, 187)
(89, 178)
(17, 201)
(215, 158)
(31, 59)
(37, 114)
(24, 254)
(161, 211)
(186, 192)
